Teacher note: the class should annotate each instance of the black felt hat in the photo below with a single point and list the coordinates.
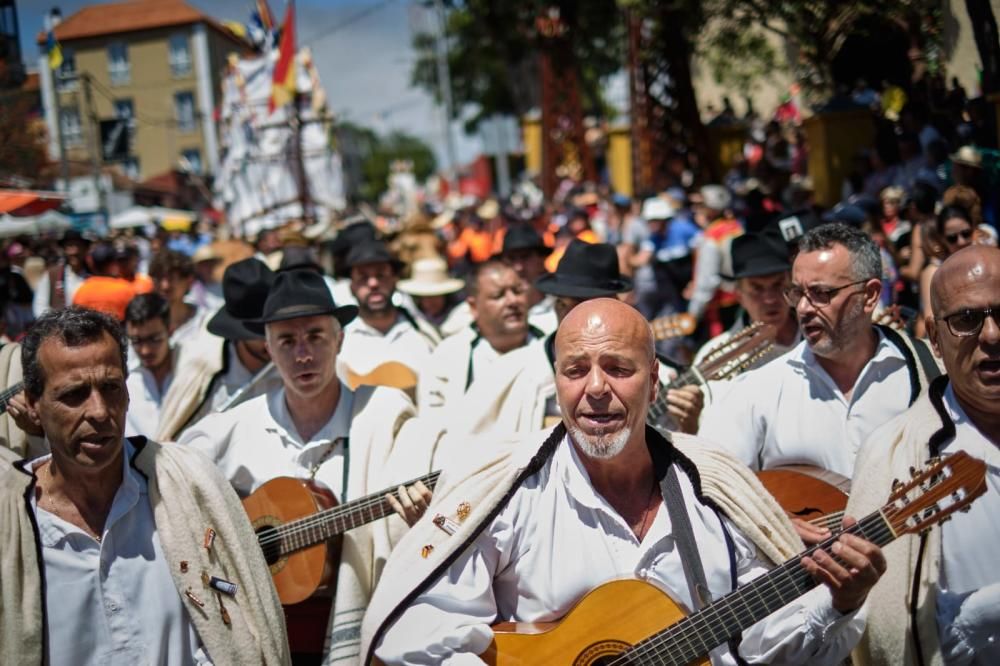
(524, 237)
(758, 254)
(371, 252)
(587, 270)
(244, 286)
(349, 236)
(300, 293)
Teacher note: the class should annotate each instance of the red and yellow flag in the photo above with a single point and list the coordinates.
(283, 81)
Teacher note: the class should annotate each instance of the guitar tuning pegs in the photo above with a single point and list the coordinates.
(896, 483)
(966, 508)
(913, 470)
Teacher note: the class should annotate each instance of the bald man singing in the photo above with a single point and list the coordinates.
(955, 616)
(525, 536)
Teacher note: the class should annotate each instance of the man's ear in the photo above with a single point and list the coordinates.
(930, 323)
(654, 380)
(340, 341)
(873, 291)
(471, 300)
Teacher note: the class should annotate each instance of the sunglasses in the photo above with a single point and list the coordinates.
(964, 234)
(967, 323)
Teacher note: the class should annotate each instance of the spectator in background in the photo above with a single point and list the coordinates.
(146, 319)
(58, 284)
(173, 274)
(206, 291)
(434, 292)
(105, 290)
(525, 251)
(953, 230)
(711, 298)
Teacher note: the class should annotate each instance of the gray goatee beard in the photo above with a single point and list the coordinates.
(601, 447)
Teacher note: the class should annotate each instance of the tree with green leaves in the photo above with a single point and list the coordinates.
(377, 154)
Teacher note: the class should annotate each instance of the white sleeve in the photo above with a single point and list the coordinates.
(732, 422)
(967, 623)
(40, 300)
(808, 630)
(706, 277)
(450, 621)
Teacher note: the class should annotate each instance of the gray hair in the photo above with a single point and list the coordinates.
(866, 260)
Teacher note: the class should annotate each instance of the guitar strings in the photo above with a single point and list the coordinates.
(306, 524)
(660, 645)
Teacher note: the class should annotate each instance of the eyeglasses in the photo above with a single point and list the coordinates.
(147, 340)
(818, 296)
(967, 323)
(964, 234)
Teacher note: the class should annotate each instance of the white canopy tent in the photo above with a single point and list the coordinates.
(51, 221)
(141, 216)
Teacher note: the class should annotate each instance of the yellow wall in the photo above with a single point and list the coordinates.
(531, 129)
(157, 142)
(620, 159)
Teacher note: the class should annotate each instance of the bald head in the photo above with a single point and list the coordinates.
(606, 316)
(971, 266)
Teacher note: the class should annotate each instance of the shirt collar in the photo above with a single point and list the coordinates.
(574, 475)
(339, 424)
(804, 357)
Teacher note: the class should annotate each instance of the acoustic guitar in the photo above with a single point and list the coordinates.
(295, 521)
(673, 326)
(9, 393)
(808, 492)
(622, 622)
(726, 360)
(390, 373)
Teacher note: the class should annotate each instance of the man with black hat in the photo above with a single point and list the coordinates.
(315, 428)
(525, 252)
(57, 285)
(761, 271)
(519, 395)
(382, 331)
(227, 359)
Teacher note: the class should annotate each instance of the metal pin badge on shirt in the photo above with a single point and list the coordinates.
(463, 511)
(447, 525)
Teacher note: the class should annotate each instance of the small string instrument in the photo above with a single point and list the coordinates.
(729, 359)
(9, 393)
(893, 317)
(622, 622)
(294, 519)
(809, 492)
(390, 373)
(673, 326)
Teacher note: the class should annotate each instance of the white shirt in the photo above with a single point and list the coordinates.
(144, 400)
(542, 315)
(790, 410)
(41, 300)
(190, 329)
(366, 347)
(113, 602)
(557, 539)
(969, 631)
(256, 441)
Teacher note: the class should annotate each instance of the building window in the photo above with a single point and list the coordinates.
(69, 125)
(180, 55)
(66, 74)
(184, 109)
(125, 108)
(119, 68)
(131, 167)
(191, 160)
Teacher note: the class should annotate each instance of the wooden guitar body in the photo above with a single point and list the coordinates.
(805, 491)
(609, 620)
(296, 576)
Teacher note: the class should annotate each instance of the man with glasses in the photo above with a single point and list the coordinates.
(147, 320)
(955, 618)
(816, 404)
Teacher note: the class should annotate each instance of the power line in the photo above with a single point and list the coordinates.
(349, 21)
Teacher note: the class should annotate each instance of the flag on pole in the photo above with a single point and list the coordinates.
(265, 16)
(54, 50)
(283, 81)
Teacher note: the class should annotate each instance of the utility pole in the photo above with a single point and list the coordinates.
(95, 144)
(57, 79)
(444, 84)
(298, 163)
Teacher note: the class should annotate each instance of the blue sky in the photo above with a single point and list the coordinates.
(365, 65)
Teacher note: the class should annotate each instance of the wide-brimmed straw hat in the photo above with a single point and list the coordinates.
(429, 277)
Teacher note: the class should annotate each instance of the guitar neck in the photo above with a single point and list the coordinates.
(319, 527)
(9, 393)
(658, 408)
(699, 633)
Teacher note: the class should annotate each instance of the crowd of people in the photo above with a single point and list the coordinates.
(154, 382)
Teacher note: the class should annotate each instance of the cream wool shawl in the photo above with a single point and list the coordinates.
(486, 483)
(889, 453)
(198, 363)
(11, 436)
(187, 495)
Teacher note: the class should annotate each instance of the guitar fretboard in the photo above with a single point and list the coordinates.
(9, 393)
(323, 525)
(698, 634)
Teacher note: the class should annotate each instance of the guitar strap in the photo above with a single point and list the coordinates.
(694, 572)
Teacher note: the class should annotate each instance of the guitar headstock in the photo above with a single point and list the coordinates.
(738, 352)
(943, 486)
(893, 317)
(673, 326)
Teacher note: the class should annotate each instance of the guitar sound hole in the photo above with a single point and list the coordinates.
(269, 543)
